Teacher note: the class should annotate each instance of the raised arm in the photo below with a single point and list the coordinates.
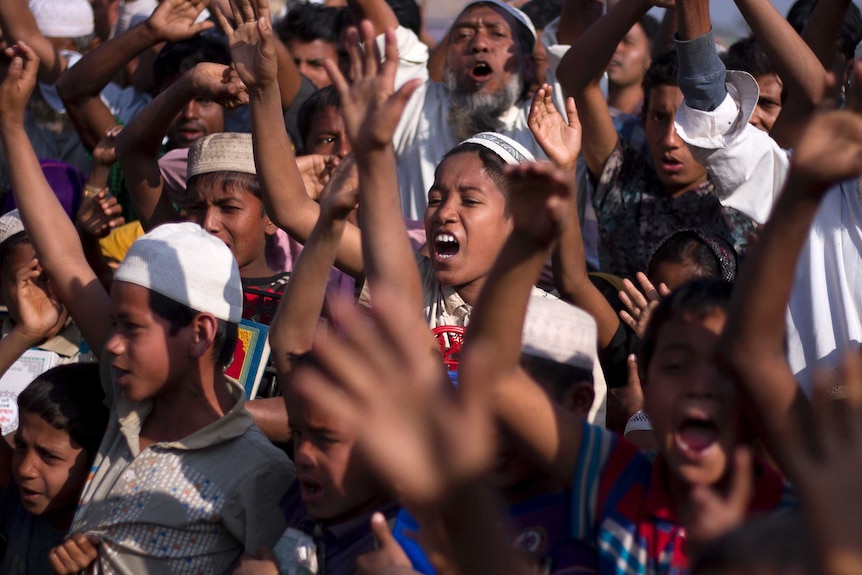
(284, 196)
(372, 109)
(752, 346)
(80, 85)
(579, 76)
(138, 145)
(18, 24)
(540, 199)
(52, 233)
(378, 12)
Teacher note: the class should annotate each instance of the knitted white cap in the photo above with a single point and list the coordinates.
(508, 149)
(10, 224)
(559, 332)
(222, 152)
(517, 14)
(63, 18)
(186, 264)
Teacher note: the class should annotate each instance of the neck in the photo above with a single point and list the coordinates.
(626, 99)
(256, 269)
(470, 292)
(677, 191)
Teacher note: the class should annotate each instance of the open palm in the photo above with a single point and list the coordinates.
(252, 45)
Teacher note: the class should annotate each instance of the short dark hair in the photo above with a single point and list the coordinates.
(542, 12)
(227, 180)
(310, 22)
(686, 247)
(10, 244)
(179, 315)
(179, 57)
(661, 72)
(553, 376)
(70, 398)
(850, 33)
(697, 298)
(408, 14)
(312, 108)
(650, 27)
(747, 55)
(491, 162)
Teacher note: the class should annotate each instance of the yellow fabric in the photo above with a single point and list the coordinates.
(117, 243)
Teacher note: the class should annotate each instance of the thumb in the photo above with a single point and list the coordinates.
(386, 541)
(634, 378)
(93, 539)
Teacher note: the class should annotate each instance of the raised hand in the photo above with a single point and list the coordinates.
(640, 303)
(388, 557)
(251, 40)
(370, 105)
(104, 152)
(386, 378)
(40, 314)
(541, 198)
(74, 554)
(341, 195)
(829, 151)
(18, 84)
(174, 20)
(100, 214)
(560, 140)
(219, 83)
(315, 170)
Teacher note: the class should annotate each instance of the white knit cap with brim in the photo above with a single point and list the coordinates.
(10, 224)
(223, 152)
(188, 265)
(514, 12)
(559, 332)
(508, 149)
(63, 18)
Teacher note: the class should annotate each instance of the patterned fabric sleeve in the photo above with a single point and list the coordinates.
(596, 447)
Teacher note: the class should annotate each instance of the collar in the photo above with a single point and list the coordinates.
(511, 115)
(234, 423)
(351, 529)
(66, 343)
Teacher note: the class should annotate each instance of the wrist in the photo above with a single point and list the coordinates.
(24, 338)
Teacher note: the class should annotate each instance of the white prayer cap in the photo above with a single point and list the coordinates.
(559, 332)
(514, 12)
(222, 152)
(188, 265)
(63, 18)
(10, 224)
(508, 149)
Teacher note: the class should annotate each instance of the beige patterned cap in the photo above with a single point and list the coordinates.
(223, 152)
(10, 224)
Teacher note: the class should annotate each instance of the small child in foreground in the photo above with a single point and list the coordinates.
(62, 418)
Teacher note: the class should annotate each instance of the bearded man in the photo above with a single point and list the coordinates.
(488, 73)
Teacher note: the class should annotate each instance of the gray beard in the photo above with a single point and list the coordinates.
(473, 112)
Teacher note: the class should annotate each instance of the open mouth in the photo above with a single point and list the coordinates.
(445, 246)
(671, 165)
(697, 435)
(309, 490)
(481, 71)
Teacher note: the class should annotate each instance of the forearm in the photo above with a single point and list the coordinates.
(823, 27)
(386, 250)
(101, 64)
(270, 415)
(289, 79)
(576, 17)
(292, 329)
(437, 59)
(701, 73)
(17, 23)
(377, 11)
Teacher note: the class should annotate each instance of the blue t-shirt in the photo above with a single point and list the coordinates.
(29, 538)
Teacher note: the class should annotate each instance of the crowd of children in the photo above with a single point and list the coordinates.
(567, 291)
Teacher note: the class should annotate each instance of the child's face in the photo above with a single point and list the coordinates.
(334, 481)
(236, 217)
(691, 405)
(20, 256)
(146, 357)
(327, 136)
(49, 468)
(466, 221)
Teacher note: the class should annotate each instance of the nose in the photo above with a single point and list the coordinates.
(115, 344)
(344, 146)
(670, 139)
(210, 220)
(479, 42)
(756, 119)
(303, 454)
(26, 467)
(191, 110)
(446, 212)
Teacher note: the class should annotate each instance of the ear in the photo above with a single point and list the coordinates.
(578, 398)
(269, 228)
(204, 327)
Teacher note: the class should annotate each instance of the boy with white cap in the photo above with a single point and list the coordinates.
(183, 481)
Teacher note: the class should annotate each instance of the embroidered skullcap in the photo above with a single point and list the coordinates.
(559, 332)
(515, 13)
(723, 252)
(222, 152)
(508, 149)
(188, 265)
(10, 224)
(63, 18)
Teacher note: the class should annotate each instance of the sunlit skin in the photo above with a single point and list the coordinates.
(198, 118)
(467, 206)
(335, 484)
(235, 216)
(626, 70)
(768, 103)
(309, 58)
(327, 136)
(682, 386)
(483, 54)
(674, 165)
(19, 257)
(49, 469)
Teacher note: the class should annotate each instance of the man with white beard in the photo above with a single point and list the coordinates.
(488, 71)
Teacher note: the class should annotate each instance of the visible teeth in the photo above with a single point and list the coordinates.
(446, 238)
